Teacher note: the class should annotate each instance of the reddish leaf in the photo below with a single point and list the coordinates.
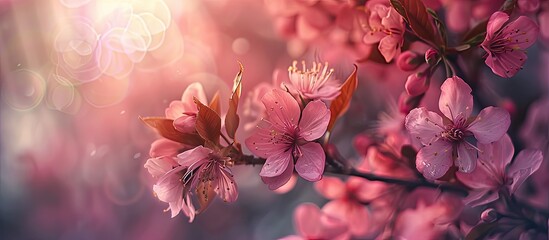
(214, 104)
(208, 122)
(165, 128)
(232, 119)
(415, 13)
(340, 105)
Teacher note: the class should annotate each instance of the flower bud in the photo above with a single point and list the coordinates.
(361, 143)
(406, 102)
(431, 57)
(417, 83)
(508, 105)
(408, 61)
(489, 215)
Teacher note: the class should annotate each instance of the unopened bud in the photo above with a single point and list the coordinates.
(431, 57)
(406, 102)
(408, 61)
(508, 105)
(489, 215)
(417, 83)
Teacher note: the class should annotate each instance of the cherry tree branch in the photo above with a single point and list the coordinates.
(330, 168)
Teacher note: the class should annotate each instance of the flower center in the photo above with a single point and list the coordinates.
(453, 134)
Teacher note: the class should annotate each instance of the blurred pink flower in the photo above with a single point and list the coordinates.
(315, 83)
(312, 223)
(386, 26)
(506, 44)
(285, 136)
(430, 218)
(199, 170)
(444, 139)
(184, 112)
(347, 201)
(496, 172)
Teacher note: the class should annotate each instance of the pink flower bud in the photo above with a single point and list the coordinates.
(417, 84)
(408, 61)
(406, 102)
(431, 57)
(508, 105)
(489, 215)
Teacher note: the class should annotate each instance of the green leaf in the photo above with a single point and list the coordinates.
(208, 123)
(232, 120)
(165, 128)
(415, 13)
(339, 106)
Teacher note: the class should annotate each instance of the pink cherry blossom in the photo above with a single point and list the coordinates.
(184, 112)
(312, 223)
(506, 43)
(347, 201)
(444, 138)
(199, 170)
(315, 83)
(286, 137)
(496, 172)
(386, 26)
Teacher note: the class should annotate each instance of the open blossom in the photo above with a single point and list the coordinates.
(444, 140)
(313, 223)
(347, 201)
(506, 43)
(184, 112)
(199, 171)
(314, 83)
(285, 137)
(386, 26)
(496, 171)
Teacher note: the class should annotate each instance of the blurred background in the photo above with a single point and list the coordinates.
(76, 75)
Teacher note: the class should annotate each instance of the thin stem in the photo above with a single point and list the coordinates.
(411, 184)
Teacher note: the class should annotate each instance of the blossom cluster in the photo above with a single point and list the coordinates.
(421, 173)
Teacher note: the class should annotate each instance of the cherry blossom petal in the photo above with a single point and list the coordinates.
(506, 65)
(307, 220)
(527, 162)
(523, 32)
(330, 187)
(226, 188)
(185, 124)
(480, 197)
(194, 90)
(495, 23)
(282, 109)
(193, 156)
(498, 154)
(310, 165)
(354, 214)
(164, 147)
(169, 187)
(482, 178)
(456, 101)
(276, 165)
(279, 181)
(490, 125)
(434, 160)
(424, 125)
(175, 110)
(262, 143)
(466, 159)
(389, 47)
(159, 166)
(314, 120)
